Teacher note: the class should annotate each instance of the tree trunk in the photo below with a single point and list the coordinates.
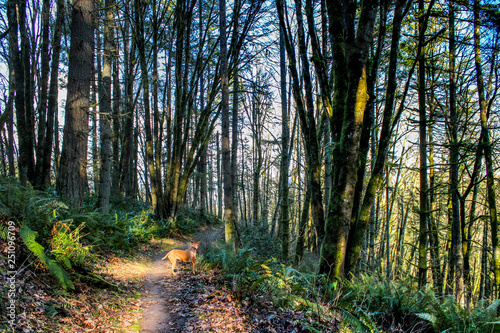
(156, 121)
(433, 230)
(361, 213)
(305, 113)
(285, 162)
(229, 218)
(202, 165)
(487, 149)
(72, 178)
(52, 100)
(234, 144)
(456, 239)
(350, 100)
(424, 181)
(9, 112)
(94, 114)
(105, 110)
(127, 162)
(27, 144)
(42, 172)
(116, 124)
(139, 34)
(17, 67)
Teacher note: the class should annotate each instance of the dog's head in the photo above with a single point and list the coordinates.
(195, 245)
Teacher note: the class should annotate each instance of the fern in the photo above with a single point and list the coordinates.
(427, 316)
(492, 309)
(29, 238)
(359, 321)
(66, 246)
(3, 232)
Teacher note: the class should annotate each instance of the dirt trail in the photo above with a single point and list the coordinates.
(166, 294)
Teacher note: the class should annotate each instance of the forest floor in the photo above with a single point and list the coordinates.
(197, 303)
(149, 299)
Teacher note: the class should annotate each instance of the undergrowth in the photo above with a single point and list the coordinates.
(52, 236)
(362, 304)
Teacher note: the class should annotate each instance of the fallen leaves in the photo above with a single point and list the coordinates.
(202, 307)
(187, 303)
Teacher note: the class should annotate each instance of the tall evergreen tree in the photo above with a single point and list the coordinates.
(72, 177)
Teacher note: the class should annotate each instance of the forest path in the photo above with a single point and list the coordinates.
(168, 297)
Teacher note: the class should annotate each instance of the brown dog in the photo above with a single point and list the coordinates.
(186, 256)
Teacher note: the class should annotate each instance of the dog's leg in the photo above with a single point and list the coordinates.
(194, 263)
(173, 267)
(173, 261)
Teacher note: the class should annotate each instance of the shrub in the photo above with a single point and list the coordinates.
(66, 246)
(448, 316)
(259, 237)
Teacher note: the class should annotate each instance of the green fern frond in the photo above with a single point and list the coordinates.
(427, 316)
(29, 238)
(359, 320)
(3, 232)
(492, 309)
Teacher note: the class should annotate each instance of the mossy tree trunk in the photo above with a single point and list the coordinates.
(349, 104)
(361, 215)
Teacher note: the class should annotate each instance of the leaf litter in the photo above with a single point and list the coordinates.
(149, 299)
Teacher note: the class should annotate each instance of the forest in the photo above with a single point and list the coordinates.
(337, 159)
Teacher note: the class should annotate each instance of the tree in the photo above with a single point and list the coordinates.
(487, 148)
(229, 218)
(128, 161)
(42, 167)
(285, 155)
(19, 64)
(305, 111)
(349, 103)
(389, 122)
(105, 108)
(456, 264)
(72, 178)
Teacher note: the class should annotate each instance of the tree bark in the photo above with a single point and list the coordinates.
(18, 69)
(424, 180)
(229, 219)
(350, 100)
(72, 178)
(105, 110)
(27, 145)
(127, 161)
(285, 160)
(42, 172)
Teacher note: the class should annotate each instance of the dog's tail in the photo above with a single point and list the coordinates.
(166, 256)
